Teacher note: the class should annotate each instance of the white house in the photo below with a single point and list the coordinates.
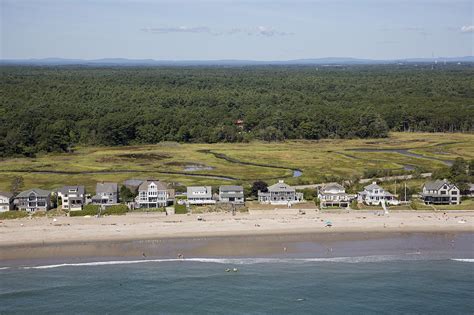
(6, 201)
(200, 195)
(72, 197)
(373, 194)
(154, 194)
(441, 192)
(231, 194)
(334, 195)
(280, 194)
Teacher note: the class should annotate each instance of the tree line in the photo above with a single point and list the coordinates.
(52, 109)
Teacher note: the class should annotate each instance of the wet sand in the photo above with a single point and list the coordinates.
(328, 245)
(259, 234)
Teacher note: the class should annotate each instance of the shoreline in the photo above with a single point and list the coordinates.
(264, 234)
(335, 245)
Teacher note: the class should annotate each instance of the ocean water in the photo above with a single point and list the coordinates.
(374, 284)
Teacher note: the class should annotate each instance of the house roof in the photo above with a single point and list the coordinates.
(65, 189)
(437, 184)
(372, 186)
(280, 186)
(6, 194)
(37, 191)
(230, 188)
(207, 191)
(106, 187)
(159, 185)
(332, 187)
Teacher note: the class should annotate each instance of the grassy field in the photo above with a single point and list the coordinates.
(319, 161)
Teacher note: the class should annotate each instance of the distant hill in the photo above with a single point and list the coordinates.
(225, 62)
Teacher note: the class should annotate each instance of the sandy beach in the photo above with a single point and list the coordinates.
(254, 234)
(145, 226)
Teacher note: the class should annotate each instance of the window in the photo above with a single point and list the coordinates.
(454, 192)
(442, 192)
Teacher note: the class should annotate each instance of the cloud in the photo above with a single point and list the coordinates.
(467, 29)
(179, 29)
(269, 31)
(253, 31)
(257, 31)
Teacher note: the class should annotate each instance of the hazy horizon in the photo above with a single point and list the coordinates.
(235, 30)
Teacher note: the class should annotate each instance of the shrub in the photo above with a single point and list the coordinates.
(115, 210)
(13, 215)
(87, 210)
(354, 205)
(180, 209)
(309, 194)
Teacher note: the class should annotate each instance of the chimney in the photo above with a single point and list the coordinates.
(281, 181)
(375, 183)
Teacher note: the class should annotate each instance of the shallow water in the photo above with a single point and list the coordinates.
(356, 285)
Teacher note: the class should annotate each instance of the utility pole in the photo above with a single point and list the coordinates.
(405, 192)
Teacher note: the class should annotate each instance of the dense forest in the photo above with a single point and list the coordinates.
(47, 109)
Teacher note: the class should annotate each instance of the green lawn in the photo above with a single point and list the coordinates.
(465, 205)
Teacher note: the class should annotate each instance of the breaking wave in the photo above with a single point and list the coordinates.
(241, 261)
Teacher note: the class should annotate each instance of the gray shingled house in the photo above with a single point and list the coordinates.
(441, 192)
(231, 194)
(106, 194)
(280, 194)
(34, 200)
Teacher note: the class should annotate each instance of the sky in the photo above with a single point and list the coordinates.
(233, 29)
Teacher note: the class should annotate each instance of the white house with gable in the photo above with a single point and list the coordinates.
(374, 195)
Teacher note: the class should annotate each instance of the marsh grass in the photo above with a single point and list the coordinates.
(320, 161)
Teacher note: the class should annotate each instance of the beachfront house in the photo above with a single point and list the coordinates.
(374, 195)
(334, 195)
(106, 194)
(72, 197)
(280, 194)
(154, 194)
(441, 192)
(6, 201)
(200, 195)
(231, 194)
(33, 200)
